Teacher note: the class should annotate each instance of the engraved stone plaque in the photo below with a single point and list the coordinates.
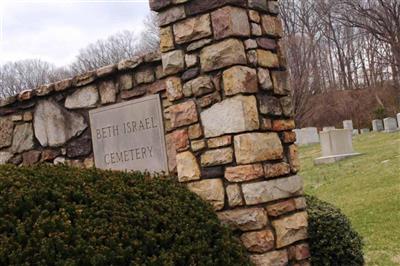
(129, 136)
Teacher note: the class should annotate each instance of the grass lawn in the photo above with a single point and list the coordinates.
(366, 188)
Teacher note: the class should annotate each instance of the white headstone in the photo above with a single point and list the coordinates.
(328, 128)
(377, 125)
(356, 132)
(308, 135)
(335, 145)
(398, 120)
(299, 139)
(364, 130)
(390, 124)
(348, 124)
(129, 136)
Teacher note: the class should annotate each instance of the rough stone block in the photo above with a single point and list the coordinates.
(266, 191)
(264, 79)
(267, 44)
(187, 166)
(173, 62)
(267, 59)
(174, 88)
(287, 107)
(294, 158)
(243, 173)
(223, 54)
(219, 142)
(283, 124)
(288, 137)
(171, 15)
(6, 132)
(280, 82)
(198, 145)
(166, 39)
(210, 190)
(81, 146)
(232, 115)
(217, 157)
(290, 229)
(22, 138)
(244, 219)
(230, 21)
(85, 97)
(108, 92)
(125, 82)
(5, 157)
(144, 76)
(106, 70)
(195, 131)
(234, 195)
(272, 26)
(183, 114)
(258, 4)
(256, 29)
(275, 258)
(257, 147)
(199, 86)
(299, 252)
(54, 125)
(240, 79)
(280, 208)
(192, 29)
(254, 16)
(29, 158)
(258, 241)
(194, 7)
(276, 169)
(269, 105)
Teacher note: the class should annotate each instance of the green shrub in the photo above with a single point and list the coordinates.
(67, 216)
(379, 113)
(332, 239)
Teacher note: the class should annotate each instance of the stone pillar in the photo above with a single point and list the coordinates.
(230, 120)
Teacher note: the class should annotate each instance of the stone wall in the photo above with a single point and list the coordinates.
(222, 78)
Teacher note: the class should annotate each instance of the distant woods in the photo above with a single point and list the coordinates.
(340, 45)
(31, 73)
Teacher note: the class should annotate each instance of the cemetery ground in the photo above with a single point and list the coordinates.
(366, 188)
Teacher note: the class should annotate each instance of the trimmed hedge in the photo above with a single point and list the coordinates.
(332, 239)
(66, 216)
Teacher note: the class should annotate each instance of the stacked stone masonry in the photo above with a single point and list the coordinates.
(221, 74)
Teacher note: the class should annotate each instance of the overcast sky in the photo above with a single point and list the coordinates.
(55, 30)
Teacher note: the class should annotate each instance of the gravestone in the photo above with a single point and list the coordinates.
(129, 136)
(398, 120)
(308, 135)
(377, 125)
(335, 145)
(328, 128)
(356, 132)
(348, 124)
(390, 125)
(364, 130)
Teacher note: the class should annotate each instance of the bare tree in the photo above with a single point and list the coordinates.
(149, 39)
(28, 74)
(105, 52)
(115, 48)
(381, 18)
